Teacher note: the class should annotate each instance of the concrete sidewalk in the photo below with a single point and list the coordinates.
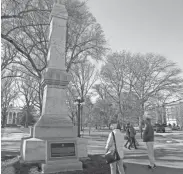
(134, 168)
(167, 154)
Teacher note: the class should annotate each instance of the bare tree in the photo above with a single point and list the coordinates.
(85, 36)
(99, 90)
(154, 74)
(28, 88)
(107, 111)
(144, 76)
(71, 97)
(9, 93)
(25, 26)
(113, 76)
(7, 56)
(88, 112)
(84, 75)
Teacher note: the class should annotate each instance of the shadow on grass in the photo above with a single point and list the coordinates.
(95, 165)
(12, 165)
(176, 152)
(172, 154)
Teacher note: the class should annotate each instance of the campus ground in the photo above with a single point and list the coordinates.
(168, 153)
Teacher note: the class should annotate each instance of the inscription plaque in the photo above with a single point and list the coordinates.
(62, 150)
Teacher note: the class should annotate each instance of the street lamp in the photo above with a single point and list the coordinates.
(79, 102)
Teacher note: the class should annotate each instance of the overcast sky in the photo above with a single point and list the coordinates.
(142, 25)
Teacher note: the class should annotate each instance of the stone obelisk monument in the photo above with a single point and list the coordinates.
(54, 142)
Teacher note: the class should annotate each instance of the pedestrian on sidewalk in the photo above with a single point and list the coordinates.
(148, 137)
(127, 136)
(132, 137)
(110, 145)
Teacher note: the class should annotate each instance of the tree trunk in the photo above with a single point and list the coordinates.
(3, 121)
(141, 118)
(89, 129)
(81, 114)
(26, 119)
(109, 126)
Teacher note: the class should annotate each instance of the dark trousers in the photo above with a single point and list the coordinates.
(132, 142)
(128, 141)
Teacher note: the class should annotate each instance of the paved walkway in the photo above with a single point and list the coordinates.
(168, 147)
(168, 154)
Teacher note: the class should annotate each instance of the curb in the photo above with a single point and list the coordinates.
(10, 140)
(146, 163)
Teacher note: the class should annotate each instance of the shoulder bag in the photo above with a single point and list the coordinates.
(112, 155)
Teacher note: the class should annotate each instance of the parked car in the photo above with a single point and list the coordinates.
(168, 129)
(154, 127)
(176, 128)
(137, 129)
(160, 128)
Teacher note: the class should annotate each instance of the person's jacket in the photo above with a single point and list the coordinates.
(132, 132)
(119, 142)
(148, 135)
(128, 132)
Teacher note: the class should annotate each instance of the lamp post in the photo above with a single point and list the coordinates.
(79, 102)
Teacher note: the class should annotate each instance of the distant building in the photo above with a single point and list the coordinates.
(158, 115)
(13, 116)
(174, 113)
(167, 114)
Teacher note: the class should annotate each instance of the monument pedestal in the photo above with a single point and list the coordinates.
(54, 142)
(36, 150)
(82, 148)
(33, 150)
(61, 165)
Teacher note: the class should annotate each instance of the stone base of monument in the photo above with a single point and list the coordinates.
(82, 144)
(33, 149)
(58, 154)
(63, 165)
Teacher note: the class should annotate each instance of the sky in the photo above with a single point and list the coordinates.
(142, 26)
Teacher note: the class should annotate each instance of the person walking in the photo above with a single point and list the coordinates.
(132, 137)
(127, 135)
(148, 137)
(119, 137)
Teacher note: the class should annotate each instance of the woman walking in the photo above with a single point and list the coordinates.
(110, 145)
(132, 137)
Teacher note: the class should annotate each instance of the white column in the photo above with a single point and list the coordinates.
(13, 118)
(7, 121)
(16, 118)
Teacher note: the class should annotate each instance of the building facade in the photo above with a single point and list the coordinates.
(158, 115)
(174, 113)
(13, 116)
